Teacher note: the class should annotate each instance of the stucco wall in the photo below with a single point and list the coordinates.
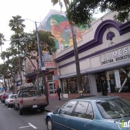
(68, 66)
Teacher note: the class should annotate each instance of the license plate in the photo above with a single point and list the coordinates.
(34, 106)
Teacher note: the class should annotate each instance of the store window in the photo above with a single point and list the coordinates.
(50, 77)
(70, 85)
(85, 84)
(117, 80)
(65, 86)
(125, 79)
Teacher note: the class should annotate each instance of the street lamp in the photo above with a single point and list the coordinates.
(41, 63)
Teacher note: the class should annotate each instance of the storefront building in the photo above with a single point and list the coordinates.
(104, 55)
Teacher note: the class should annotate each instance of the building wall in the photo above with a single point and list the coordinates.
(96, 50)
(92, 61)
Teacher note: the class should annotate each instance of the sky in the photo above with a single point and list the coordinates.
(35, 10)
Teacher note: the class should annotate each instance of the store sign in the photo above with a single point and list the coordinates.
(117, 55)
(50, 65)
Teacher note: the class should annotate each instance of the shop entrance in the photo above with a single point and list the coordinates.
(52, 89)
(101, 83)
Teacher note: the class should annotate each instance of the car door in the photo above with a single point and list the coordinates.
(82, 116)
(61, 120)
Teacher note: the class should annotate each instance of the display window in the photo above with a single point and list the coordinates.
(117, 80)
(70, 85)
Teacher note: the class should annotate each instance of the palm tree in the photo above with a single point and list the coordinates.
(79, 80)
(1, 40)
(16, 24)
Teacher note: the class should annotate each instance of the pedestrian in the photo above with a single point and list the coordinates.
(58, 92)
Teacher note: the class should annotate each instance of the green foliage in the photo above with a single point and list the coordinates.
(16, 24)
(80, 11)
(21, 46)
(2, 39)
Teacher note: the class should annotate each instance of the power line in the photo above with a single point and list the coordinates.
(21, 39)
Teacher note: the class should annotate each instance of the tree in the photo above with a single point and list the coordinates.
(2, 39)
(80, 11)
(79, 79)
(16, 24)
(21, 46)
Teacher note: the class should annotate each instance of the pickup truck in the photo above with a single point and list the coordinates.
(29, 99)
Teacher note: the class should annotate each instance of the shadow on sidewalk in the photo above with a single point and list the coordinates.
(54, 104)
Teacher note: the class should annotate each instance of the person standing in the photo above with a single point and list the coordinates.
(58, 92)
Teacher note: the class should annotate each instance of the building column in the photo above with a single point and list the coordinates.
(93, 86)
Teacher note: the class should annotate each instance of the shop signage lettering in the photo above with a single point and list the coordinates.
(117, 55)
(50, 65)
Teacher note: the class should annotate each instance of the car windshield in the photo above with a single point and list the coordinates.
(114, 108)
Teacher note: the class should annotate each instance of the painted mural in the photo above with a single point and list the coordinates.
(57, 23)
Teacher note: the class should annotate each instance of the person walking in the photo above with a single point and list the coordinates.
(58, 92)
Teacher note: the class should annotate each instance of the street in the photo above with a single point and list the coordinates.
(11, 120)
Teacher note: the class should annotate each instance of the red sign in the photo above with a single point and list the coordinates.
(50, 65)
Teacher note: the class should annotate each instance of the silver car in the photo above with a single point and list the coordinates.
(10, 100)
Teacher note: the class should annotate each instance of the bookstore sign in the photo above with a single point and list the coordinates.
(117, 55)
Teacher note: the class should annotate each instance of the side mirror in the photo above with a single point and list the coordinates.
(55, 112)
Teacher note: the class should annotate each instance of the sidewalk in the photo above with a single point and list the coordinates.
(54, 103)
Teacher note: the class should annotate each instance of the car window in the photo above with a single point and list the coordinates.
(13, 96)
(90, 113)
(68, 108)
(28, 94)
(83, 110)
(114, 108)
(20, 94)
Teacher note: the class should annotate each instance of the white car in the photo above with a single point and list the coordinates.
(10, 100)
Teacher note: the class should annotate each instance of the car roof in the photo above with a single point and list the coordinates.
(95, 98)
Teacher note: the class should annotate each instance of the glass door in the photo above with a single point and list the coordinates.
(101, 83)
(51, 86)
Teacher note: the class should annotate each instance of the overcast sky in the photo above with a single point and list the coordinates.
(35, 10)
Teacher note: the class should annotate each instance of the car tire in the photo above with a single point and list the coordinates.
(15, 108)
(20, 112)
(49, 124)
(42, 109)
(8, 105)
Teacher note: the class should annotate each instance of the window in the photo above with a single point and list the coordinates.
(84, 110)
(114, 108)
(90, 113)
(20, 94)
(68, 108)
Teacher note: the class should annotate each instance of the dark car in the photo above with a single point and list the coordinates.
(4, 96)
(91, 113)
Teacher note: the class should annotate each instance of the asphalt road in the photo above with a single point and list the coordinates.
(11, 120)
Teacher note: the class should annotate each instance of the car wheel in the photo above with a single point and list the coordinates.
(8, 105)
(42, 109)
(15, 108)
(20, 112)
(49, 124)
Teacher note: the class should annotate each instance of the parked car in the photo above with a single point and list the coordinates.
(1, 95)
(4, 96)
(91, 113)
(28, 99)
(9, 101)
